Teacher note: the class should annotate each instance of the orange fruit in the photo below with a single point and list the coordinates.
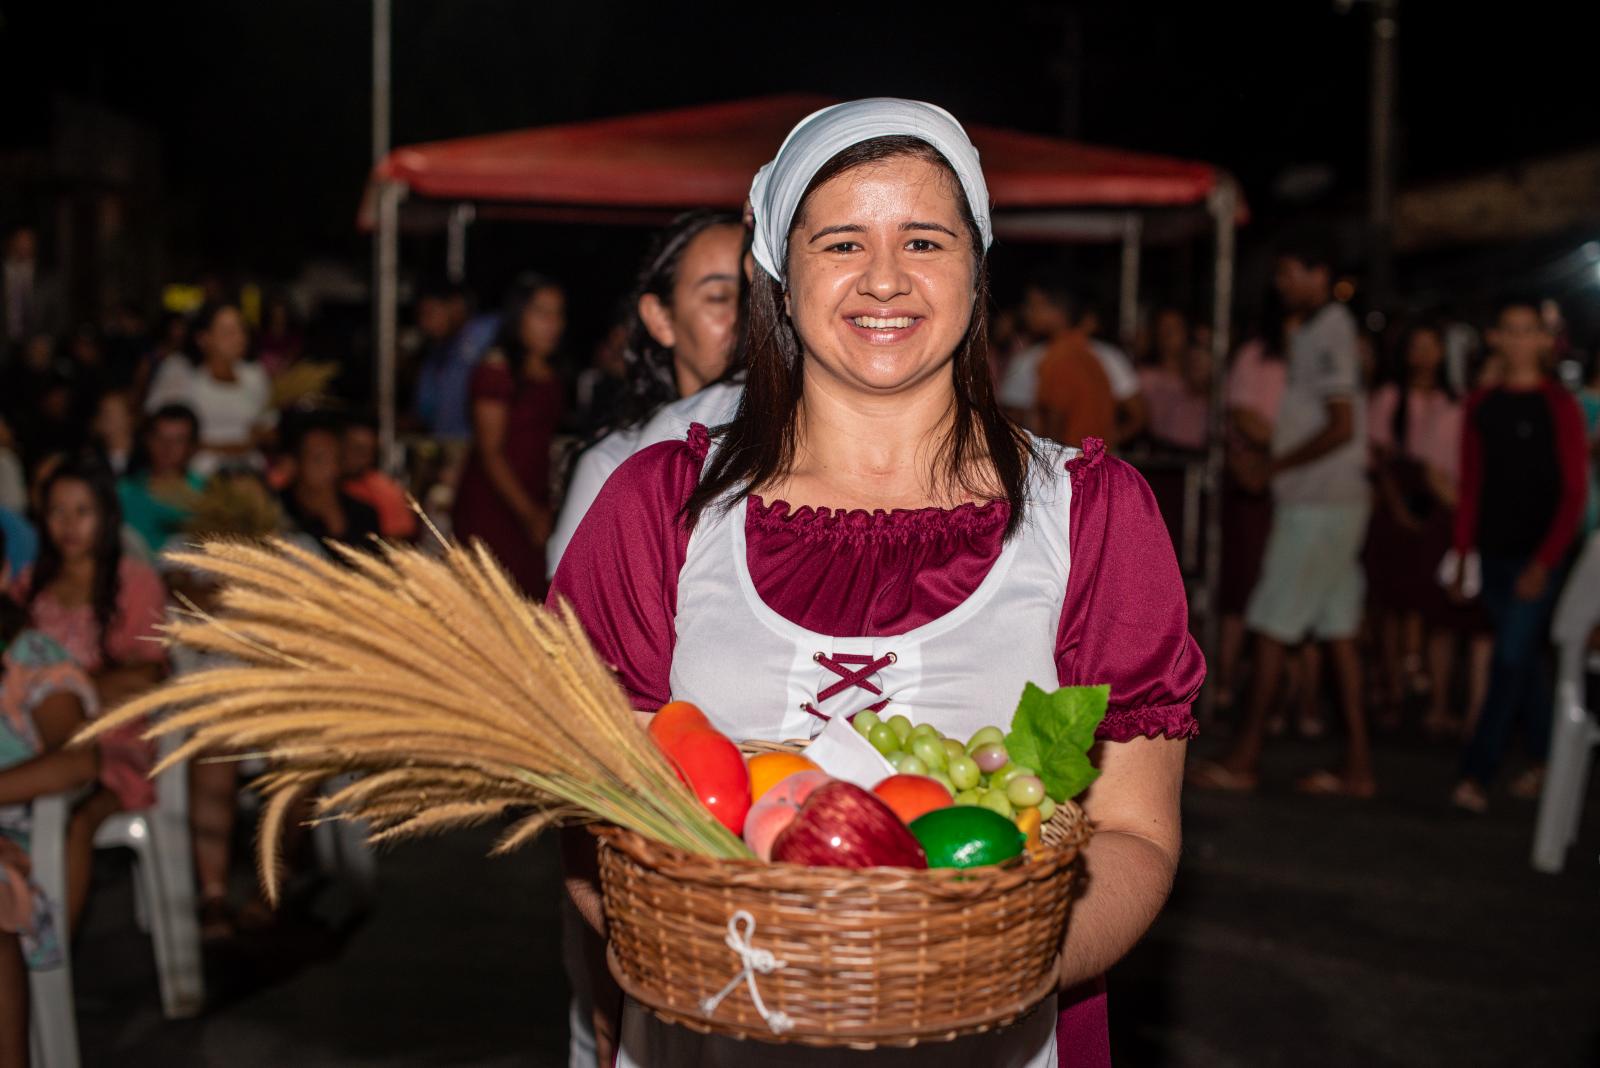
(769, 769)
(912, 795)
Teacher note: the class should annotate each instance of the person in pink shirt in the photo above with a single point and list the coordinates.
(1254, 388)
(1177, 390)
(1414, 426)
(103, 608)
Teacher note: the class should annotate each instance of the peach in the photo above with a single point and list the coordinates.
(765, 821)
(777, 809)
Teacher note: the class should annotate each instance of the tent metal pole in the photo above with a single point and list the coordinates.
(1128, 300)
(455, 260)
(1223, 206)
(387, 313)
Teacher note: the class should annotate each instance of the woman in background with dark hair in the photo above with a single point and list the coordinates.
(44, 698)
(103, 608)
(684, 315)
(871, 503)
(1414, 426)
(231, 396)
(504, 496)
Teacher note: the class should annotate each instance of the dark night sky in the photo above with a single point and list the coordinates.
(263, 105)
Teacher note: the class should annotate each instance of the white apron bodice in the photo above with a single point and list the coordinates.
(758, 675)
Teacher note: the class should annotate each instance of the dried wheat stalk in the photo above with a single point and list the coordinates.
(457, 698)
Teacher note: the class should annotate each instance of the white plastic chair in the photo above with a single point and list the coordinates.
(1574, 732)
(164, 906)
(53, 1030)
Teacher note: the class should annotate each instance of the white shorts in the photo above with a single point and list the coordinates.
(1312, 583)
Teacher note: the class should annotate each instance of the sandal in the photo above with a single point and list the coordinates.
(1327, 784)
(1469, 797)
(1528, 785)
(1210, 775)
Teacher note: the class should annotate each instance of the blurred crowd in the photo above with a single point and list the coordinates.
(1402, 506)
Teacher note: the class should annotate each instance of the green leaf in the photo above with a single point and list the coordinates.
(1053, 732)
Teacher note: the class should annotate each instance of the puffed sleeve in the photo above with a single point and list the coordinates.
(1125, 621)
(619, 572)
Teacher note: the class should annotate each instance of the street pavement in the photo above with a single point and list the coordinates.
(1303, 931)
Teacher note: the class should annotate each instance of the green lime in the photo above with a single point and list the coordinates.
(964, 836)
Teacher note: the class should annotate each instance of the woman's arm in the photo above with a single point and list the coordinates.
(1572, 458)
(1132, 858)
(55, 768)
(121, 682)
(1251, 426)
(489, 435)
(1470, 485)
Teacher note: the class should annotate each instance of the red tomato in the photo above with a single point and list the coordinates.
(716, 772)
(673, 720)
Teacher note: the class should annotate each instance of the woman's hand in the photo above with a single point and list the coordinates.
(1532, 582)
(1441, 485)
(538, 522)
(1132, 858)
(1253, 470)
(1251, 426)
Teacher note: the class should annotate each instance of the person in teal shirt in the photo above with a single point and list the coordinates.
(159, 478)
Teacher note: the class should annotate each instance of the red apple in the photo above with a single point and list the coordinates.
(843, 826)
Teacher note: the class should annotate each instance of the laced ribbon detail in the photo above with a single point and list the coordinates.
(859, 675)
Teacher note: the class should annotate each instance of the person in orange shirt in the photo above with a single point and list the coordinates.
(1074, 399)
(364, 481)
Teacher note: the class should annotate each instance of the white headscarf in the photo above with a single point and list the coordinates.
(776, 192)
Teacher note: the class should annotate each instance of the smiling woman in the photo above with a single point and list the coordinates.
(888, 288)
(870, 504)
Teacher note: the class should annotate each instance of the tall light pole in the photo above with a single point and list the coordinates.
(385, 242)
(1380, 189)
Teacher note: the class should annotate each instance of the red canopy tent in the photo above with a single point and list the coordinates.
(706, 156)
(641, 168)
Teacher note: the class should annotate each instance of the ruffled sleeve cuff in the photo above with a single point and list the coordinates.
(1153, 721)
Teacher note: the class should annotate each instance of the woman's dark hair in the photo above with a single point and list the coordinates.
(92, 471)
(13, 617)
(202, 321)
(759, 445)
(524, 289)
(651, 381)
(1402, 376)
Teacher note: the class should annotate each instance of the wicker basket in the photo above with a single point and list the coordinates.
(858, 958)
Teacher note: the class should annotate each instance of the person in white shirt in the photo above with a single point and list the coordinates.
(685, 311)
(231, 396)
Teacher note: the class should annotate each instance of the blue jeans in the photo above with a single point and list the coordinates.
(1519, 677)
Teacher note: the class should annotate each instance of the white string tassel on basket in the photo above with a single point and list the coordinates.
(741, 926)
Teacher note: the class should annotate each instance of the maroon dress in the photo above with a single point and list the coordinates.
(843, 572)
(533, 411)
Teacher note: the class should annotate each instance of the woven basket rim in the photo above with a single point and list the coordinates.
(862, 1038)
(1039, 863)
